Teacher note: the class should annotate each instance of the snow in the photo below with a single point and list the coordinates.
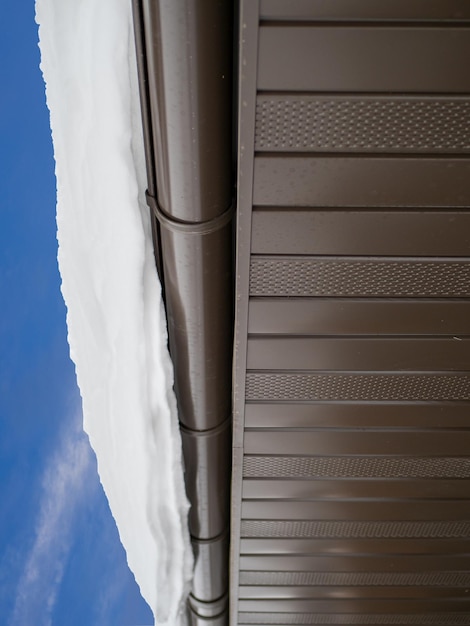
(116, 323)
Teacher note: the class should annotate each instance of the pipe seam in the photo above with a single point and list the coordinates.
(190, 228)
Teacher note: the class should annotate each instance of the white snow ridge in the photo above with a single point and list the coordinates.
(116, 323)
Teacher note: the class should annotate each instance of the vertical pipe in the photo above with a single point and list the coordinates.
(189, 57)
(188, 54)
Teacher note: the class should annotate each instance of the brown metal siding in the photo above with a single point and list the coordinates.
(352, 381)
(422, 10)
(407, 124)
(363, 59)
(350, 316)
(385, 233)
(361, 182)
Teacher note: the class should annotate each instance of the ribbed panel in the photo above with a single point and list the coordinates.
(301, 123)
(428, 619)
(352, 367)
(359, 278)
(387, 387)
(354, 530)
(435, 579)
(355, 467)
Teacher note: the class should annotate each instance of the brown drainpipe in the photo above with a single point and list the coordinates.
(184, 50)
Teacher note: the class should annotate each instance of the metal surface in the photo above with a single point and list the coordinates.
(357, 387)
(378, 354)
(349, 316)
(213, 612)
(352, 530)
(357, 442)
(198, 281)
(185, 76)
(211, 572)
(189, 57)
(372, 10)
(370, 466)
(197, 620)
(351, 381)
(329, 488)
(142, 72)
(361, 124)
(373, 415)
(365, 592)
(354, 605)
(363, 59)
(360, 277)
(402, 233)
(352, 376)
(208, 479)
(360, 564)
(368, 619)
(361, 182)
(435, 579)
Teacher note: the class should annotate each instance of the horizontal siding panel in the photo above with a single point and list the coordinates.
(364, 10)
(317, 316)
(346, 386)
(376, 619)
(340, 546)
(265, 592)
(436, 467)
(367, 564)
(397, 233)
(395, 605)
(355, 530)
(413, 579)
(301, 181)
(362, 124)
(366, 354)
(353, 475)
(362, 442)
(386, 510)
(403, 60)
(357, 277)
(359, 415)
(355, 488)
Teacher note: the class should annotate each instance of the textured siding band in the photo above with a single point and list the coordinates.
(441, 579)
(387, 387)
(357, 530)
(348, 124)
(355, 467)
(402, 278)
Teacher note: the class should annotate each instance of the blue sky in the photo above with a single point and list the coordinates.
(61, 561)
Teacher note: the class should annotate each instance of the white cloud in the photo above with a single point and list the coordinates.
(62, 491)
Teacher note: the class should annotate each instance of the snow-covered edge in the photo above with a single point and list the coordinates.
(115, 318)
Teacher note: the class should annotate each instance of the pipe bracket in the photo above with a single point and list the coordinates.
(189, 228)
